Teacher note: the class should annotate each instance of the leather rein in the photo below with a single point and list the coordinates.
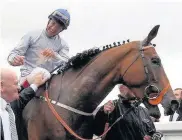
(60, 119)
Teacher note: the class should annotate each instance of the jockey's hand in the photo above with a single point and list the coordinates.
(146, 137)
(48, 53)
(17, 60)
(109, 107)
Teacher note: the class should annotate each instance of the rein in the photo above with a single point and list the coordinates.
(135, 104)
(65, 125)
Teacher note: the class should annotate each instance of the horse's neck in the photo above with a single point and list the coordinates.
(109, 69)
(90, 85)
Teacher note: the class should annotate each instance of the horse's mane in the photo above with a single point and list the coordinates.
(80, 59)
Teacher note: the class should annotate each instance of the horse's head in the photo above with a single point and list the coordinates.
(143, 73)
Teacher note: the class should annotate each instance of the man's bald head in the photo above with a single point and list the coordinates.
(9, 84)
(125, 91)
(7, 73)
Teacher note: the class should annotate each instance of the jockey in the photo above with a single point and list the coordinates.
(42, 48)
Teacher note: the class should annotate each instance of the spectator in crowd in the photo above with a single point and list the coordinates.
(42, 48)
(177, 116)
(13, 103)
(136, 125)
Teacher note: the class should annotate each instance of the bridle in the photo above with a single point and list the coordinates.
(148, 81)
(59, 118)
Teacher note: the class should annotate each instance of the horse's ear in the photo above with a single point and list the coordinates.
(151, 35)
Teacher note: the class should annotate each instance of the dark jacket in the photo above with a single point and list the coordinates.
(134, 126)
(18, 105)
(179, 112)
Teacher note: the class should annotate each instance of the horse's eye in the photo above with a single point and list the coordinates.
(156, 61)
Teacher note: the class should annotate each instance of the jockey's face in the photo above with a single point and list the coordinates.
(53, 28)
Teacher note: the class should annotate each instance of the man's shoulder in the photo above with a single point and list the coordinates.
(33, 35)
(62, 41)
(35, 32)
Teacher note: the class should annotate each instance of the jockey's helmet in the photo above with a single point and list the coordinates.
(61, 16)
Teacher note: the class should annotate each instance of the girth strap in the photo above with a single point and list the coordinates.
(67, 107)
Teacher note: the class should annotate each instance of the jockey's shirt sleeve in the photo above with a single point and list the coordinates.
(21, 48)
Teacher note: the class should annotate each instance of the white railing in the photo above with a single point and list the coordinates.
(170, 130)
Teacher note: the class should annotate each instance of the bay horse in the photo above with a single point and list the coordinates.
(88, 78)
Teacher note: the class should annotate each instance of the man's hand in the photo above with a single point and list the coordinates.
(38, 76)
(17, 60)
(38, 79)
(109, 107)
(48, 53)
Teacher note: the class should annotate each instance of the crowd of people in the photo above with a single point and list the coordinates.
(38, 53)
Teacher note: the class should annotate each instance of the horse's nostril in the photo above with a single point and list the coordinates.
(152, 91)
